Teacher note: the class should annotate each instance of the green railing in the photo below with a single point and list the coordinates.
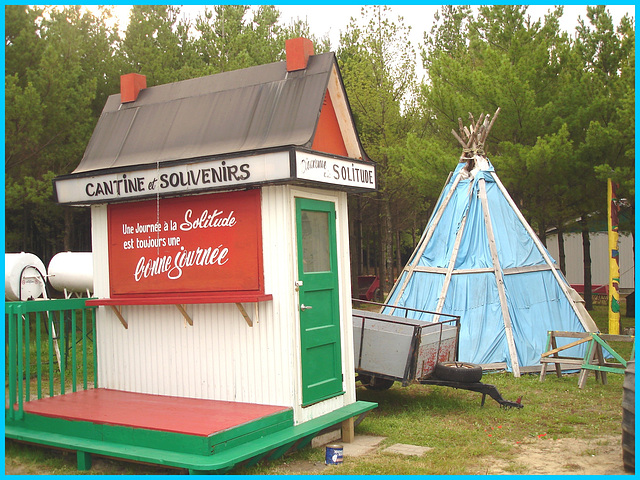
(49, 349)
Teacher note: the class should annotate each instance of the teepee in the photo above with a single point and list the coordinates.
(480, 259)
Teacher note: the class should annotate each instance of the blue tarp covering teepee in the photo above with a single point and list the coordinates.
(478, 258)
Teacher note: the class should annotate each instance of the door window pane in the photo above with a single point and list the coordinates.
(315, 242)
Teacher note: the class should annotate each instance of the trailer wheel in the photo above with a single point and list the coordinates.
(375, 383)
(629, 418)
(458, 372)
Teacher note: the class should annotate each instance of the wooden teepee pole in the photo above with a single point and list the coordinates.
(472, 139)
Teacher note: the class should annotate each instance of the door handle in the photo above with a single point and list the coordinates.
(304, 307)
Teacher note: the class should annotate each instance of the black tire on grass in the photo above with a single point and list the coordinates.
(375, 383)
(458, 372)
(629, 418)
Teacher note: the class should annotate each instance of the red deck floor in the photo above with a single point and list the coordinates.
(189, 416)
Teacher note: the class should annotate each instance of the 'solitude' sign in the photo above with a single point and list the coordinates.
(193, 244)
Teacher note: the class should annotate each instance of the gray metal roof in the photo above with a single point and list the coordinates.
(239, 111)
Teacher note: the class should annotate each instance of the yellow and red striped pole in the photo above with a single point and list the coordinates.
(614, 266)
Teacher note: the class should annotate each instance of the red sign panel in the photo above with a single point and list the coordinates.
(193, 244)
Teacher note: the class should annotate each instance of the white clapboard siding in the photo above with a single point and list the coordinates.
(220, 357)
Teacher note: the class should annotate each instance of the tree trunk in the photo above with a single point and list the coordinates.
(398, 269)
(358, 232)
(562, 259)
(542, 234)
(385, 253)
(366, 259)
(388, 248)
(354, 250)
(413, 234)
(357, 255)
(586, 255)
(633, 245)
(381, 264)
(68, 221)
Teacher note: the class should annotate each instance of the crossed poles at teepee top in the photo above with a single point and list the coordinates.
(474, 139)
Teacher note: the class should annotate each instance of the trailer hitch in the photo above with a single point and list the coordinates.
(483, 388)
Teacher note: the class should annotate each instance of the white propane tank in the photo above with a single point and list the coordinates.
(24, 277)
(72, 271)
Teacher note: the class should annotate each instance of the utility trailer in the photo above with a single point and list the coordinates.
(394, 348)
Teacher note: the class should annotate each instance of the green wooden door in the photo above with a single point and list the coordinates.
(318, 300)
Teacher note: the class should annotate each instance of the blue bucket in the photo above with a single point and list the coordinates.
(333, 455)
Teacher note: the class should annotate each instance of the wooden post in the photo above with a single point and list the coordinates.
(588, 360)
(497, 271)
(348, 432)
(118, 312)
(543, 367)
(614, 266)
(84, 460)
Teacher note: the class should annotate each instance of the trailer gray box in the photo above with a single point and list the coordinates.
(401, 348)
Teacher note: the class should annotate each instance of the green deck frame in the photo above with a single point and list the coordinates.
(221, 452)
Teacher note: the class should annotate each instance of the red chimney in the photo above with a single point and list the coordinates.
(298, 52)
(130, 86)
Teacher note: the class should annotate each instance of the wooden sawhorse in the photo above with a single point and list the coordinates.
(593, 358)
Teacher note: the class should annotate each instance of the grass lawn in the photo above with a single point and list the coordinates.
(462, 433)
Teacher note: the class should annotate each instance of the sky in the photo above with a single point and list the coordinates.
(330, 20)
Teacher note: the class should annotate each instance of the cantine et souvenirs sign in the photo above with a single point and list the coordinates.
(209, 175)
(191, 244)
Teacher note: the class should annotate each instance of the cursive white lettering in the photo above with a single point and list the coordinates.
(207, 220)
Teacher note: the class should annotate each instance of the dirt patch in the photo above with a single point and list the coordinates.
(301, 467)
(564, 456)
(539, 456)
(13, 467)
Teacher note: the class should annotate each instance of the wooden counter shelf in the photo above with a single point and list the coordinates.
(180, 302)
